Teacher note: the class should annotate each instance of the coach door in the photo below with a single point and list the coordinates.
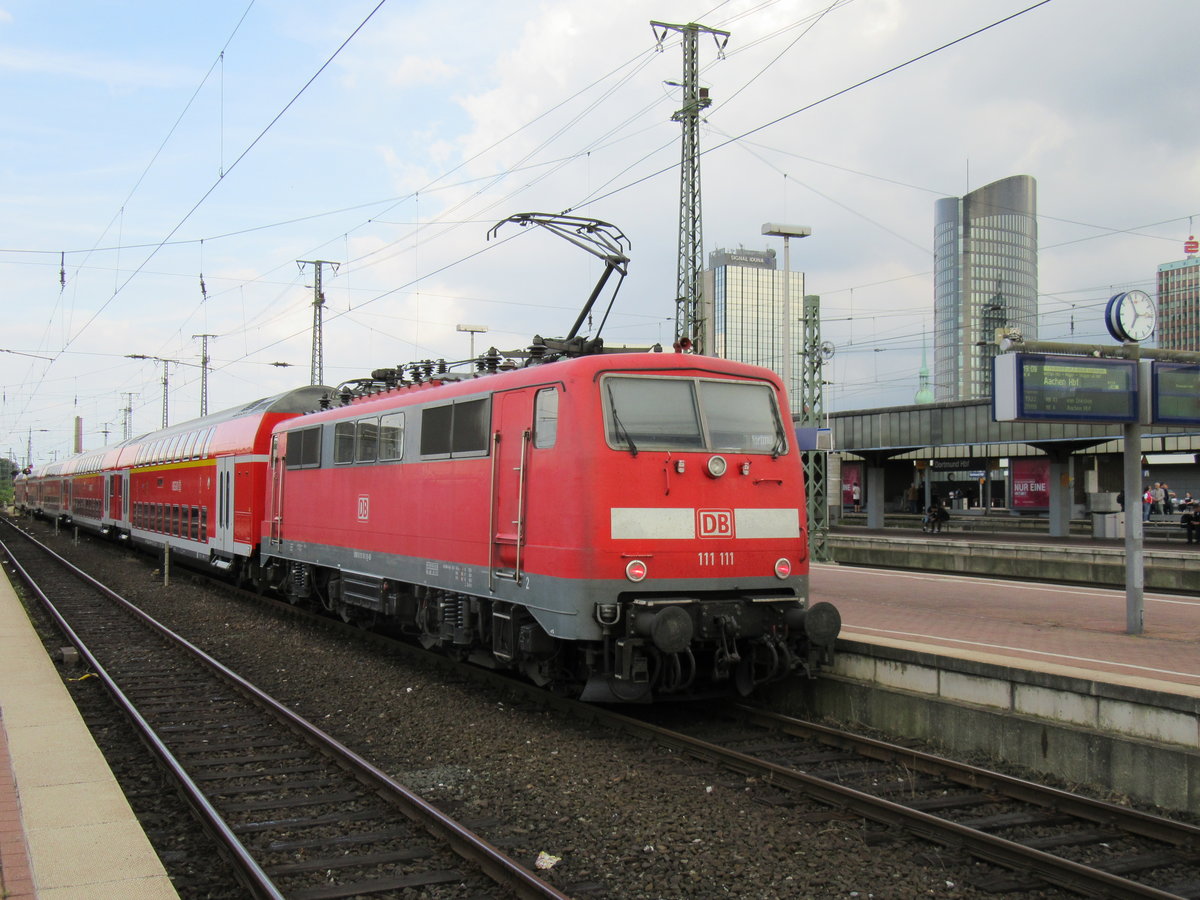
(512, 427)
(124, 510)
(224, 524)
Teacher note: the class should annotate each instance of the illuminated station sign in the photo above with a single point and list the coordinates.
(1033, 387)
(1176, 393)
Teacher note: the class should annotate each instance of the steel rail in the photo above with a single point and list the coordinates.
(1009, 854)
(249, 871)
(463, 842)
(1147, 825)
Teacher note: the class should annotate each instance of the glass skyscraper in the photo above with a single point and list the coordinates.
(985, 278)
(746, 291)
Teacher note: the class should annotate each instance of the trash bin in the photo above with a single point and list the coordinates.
(1108, 525)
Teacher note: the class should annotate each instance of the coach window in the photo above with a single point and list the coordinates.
(391, 436)
(366, 440)
(204, 523)
(189, 448)
(343, 442)
(545, 418)
(208, 436)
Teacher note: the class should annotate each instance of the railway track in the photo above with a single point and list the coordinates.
(1032, 836)
(1038, 835)
(301, 816)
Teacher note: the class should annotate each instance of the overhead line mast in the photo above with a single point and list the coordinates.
(317, 374)
(691, 320)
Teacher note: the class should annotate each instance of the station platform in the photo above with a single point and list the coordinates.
(66, 829)
(1042, 675)
(1062, 629)
(1001, 547)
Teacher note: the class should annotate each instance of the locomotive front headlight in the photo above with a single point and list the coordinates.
(783, 568)
(636, 570)
(716, 466)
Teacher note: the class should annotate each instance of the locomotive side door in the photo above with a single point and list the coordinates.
(276, 508)
(512, 428)
(223, 532)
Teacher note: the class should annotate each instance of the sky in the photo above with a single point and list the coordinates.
(163, 166)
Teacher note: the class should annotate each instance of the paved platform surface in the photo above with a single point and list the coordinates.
(1065, 629)
(66, 830)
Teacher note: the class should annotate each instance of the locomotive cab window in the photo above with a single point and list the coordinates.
(655, 413)
(741, 417)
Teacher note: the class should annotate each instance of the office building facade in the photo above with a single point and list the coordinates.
(744, 289)
(985, 279)
(1179, 304)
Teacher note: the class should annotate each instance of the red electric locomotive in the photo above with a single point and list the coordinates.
(624, 526)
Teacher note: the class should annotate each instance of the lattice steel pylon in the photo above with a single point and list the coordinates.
(317, 373)
(690, 320)
(204, 360)
(812, 414)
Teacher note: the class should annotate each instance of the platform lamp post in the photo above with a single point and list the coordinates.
(786, 232)
(472, 330)
(814, 460)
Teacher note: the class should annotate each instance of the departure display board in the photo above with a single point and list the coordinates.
(1176, 393)
(1033, 387)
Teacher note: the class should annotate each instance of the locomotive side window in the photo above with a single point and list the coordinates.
(470, 434)
(343, 442)
(391, 436)
(545, 418)
(435, 430)
(304, 448)
(458, 429)
(366, 440)
(741, 417)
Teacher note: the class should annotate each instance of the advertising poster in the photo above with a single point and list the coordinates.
(1030, 483)
(851, 476)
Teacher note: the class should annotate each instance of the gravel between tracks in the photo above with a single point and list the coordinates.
(623, 819)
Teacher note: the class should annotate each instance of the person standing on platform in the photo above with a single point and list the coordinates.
(856, 493)
(1147, 503)
(1158, 495)
(1191, 521)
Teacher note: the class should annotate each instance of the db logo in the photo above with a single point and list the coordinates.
(714, 523)
(364, 508)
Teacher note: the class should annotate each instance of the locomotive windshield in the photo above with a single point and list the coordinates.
(647, 413)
